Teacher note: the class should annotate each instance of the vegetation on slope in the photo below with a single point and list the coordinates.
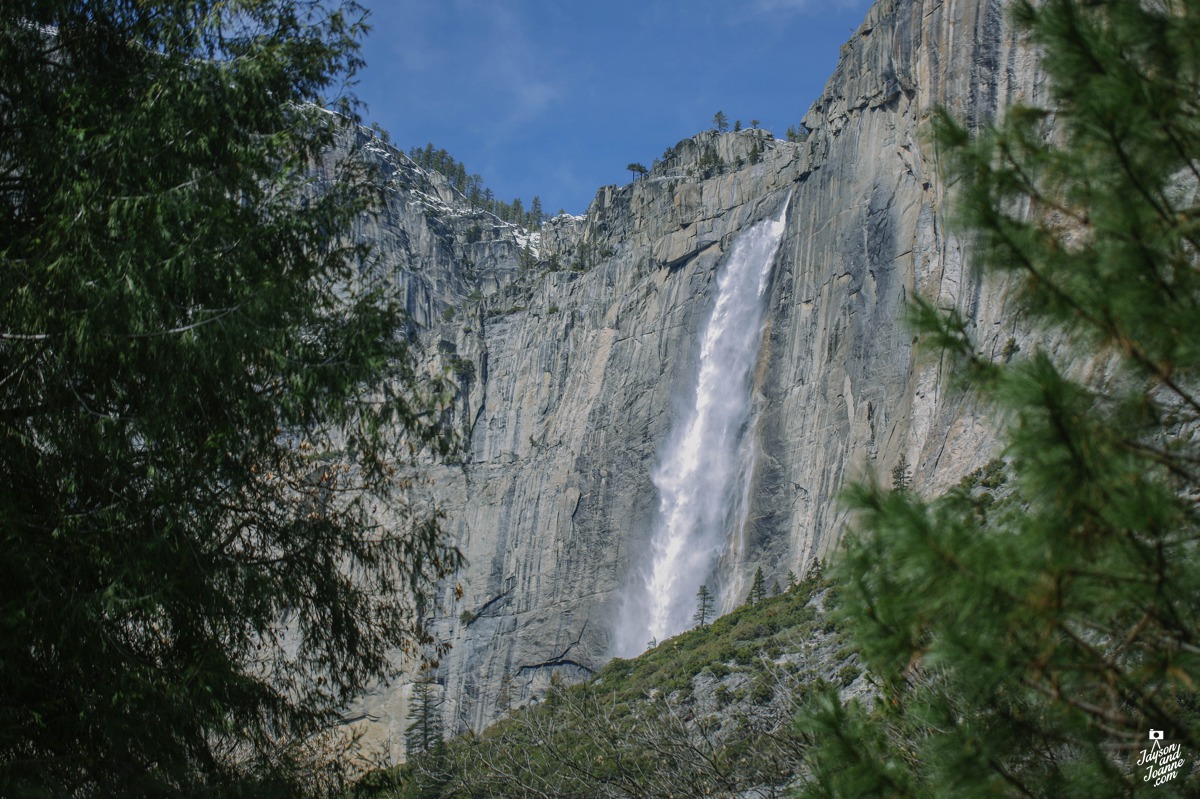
(706, 713)
(471, 185)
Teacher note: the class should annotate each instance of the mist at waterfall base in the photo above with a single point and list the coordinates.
(704, 464)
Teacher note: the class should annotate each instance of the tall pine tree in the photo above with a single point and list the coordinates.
(704, 607)
(758, 589)
(1027, 640)
(424, 733)
(901, 476)
(204, 542)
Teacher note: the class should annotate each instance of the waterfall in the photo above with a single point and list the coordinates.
(700, 476)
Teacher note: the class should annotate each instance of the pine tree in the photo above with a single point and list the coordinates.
(526, 259)
(901, 476)
(758, 589)
(424, 732)
(791, 579)
(797, 133)
(704, 607)
(720, 122)
(475, 190)
(1027, 643)
(504, 699)
(203, 397)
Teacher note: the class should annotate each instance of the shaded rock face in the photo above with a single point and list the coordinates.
(571, 346)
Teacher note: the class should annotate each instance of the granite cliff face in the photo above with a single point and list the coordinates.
(570, 347)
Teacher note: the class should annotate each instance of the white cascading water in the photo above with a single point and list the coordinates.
(698, 477)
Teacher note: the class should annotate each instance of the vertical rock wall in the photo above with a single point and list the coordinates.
(580, 370)
(570, 366)
(842, 387)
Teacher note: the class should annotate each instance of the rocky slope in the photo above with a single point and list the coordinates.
(710, 713)
(570, 345)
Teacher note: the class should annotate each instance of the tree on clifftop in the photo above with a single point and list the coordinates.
(203, 404)
(1028, 637)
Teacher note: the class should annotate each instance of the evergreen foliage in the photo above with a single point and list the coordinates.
(471, 186)
(901, 475)
(706, 713)
(704, 606)
(756, 152)
(525, 258)
(720, 122)
(505, 698)
(203, 406)
(710, 161)
(1028, 634)
(424, 732)
(758, 589)
(797, 133)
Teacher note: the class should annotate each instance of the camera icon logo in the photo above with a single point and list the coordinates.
(1156, 735)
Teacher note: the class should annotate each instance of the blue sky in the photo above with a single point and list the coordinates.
(555, 98)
